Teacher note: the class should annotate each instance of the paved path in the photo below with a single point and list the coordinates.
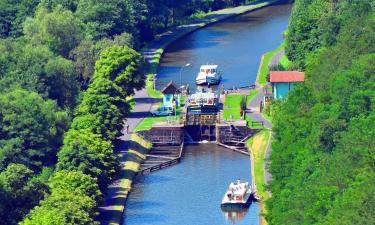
(115, 197)
(276, 58)
(254, 110)
(257, 116)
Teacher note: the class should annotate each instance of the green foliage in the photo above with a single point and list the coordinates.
(12, 15)
(89, 153)
(123, 66)
(107, 18)
(19, 193)
(75, 182)
(60, 30)
(63, 207)
(323, 145)
(31, 129)
(316, 23)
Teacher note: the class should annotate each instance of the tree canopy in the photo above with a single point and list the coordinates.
(322, 159)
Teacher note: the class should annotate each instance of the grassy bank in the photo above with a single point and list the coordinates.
(147, 122)
(258, 145)
(263, 67)
(136, 154)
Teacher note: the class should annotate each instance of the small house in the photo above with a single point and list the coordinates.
(284, 81)
(171, 95)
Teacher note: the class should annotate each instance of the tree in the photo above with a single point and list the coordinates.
(107, 18)
(89, 153)
(61, 81)
(20, 193)
(30, 126)
(63, 207)
(122, 65)
(75, 182)
(12, 15)
(60, 30)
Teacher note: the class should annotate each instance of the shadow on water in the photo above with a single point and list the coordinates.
(156, 179)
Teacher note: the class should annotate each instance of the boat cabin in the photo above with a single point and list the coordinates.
(171, 95)
(208, 69)
(202, 103)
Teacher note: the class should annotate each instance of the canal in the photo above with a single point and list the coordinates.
(236, 45)
(190, 192)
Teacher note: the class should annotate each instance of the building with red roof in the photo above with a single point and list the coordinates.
(283, 81)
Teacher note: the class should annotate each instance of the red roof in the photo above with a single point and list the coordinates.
(286, 76)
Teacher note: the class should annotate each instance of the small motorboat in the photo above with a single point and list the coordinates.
(238, 195)
(208, 74)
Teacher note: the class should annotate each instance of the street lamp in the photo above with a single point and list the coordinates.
(179, 88)
(186, 65)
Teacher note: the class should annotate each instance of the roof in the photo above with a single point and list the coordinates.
(286, 76)
(171, 88)
(200, 95)
(208, 66)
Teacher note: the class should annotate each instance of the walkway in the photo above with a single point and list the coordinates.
(115, 197)
(257, 116)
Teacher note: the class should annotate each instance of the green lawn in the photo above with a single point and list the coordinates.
(285, 62)
(148, 121)
(150, 77)
(262, 75)
(232, 106)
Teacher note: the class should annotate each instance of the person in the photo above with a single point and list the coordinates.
(127, 127)
(238, 181)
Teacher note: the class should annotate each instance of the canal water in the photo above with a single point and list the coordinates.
(236, 45)
(190, 193)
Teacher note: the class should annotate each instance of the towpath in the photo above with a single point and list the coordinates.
(257, 116)
(115, 198)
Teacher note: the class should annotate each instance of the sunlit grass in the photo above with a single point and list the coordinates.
(263, 71)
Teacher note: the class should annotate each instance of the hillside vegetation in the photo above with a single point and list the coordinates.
(323, 150)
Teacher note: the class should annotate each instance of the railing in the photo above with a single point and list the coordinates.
(163, 164)
(159, 166)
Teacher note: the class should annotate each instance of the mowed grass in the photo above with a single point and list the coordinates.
(258, 145)
(232, 106)
(262, 76)
(147, 122)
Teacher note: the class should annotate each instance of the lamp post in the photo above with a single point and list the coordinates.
(179, 88)
(186, 65)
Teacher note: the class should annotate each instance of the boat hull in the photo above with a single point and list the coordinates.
(236, 205)
(207, 81)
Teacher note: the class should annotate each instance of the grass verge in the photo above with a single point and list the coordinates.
(136, 154)
(232, 106)
(263, 68)
(258, 145)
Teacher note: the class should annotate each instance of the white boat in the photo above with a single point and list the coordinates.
(238, 195)
(209, 75)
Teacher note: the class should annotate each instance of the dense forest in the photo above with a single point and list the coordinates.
(66, 70)
(323, 153)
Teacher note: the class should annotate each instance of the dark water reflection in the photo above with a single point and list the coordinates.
(236, 45)
(190, 193)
